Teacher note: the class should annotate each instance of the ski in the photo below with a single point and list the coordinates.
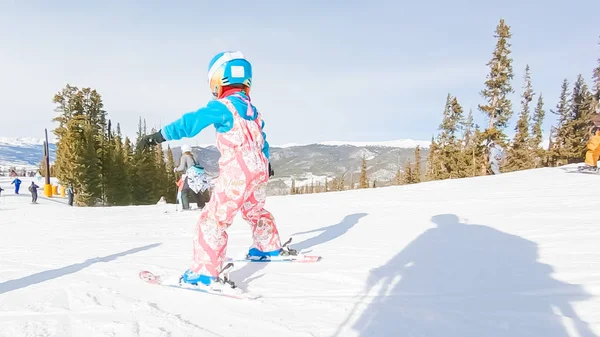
(287, 255)
(300, 258)
(219, 289)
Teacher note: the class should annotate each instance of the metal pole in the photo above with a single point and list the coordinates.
(48, 186)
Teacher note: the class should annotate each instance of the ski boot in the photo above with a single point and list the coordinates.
(588, 168)
(221, 279)
(256, 254)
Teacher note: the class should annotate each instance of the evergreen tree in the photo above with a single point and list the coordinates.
(468, 130)
(122, 193)
(497, 88)
(407, 174)
(88, 172)
(364, 180)
(536, 133)
(519, 154)
(450, 156)
(578, 125)
(433, 163)
(171, 187)
(560, 131)
(293, 188)
(399, 178)
(80, 135)
(162, 178)
(417, 166)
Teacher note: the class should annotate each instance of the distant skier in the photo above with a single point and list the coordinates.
(70, 194)
(593, 148)
(243, 168)
(1, 189)
(34, 195)
(17, 183)
(193, 177)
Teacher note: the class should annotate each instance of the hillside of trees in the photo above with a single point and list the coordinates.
(103, 167)
(107, 169)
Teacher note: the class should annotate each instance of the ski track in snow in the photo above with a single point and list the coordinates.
(508, 255)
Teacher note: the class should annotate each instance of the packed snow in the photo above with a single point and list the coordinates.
(509, 255)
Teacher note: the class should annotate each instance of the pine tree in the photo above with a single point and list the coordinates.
(519, 154)
(417, 166)
(578, 125)
(576, 129)
(407, 174)
(497, 88)
(364, 180)
(80, 136)
(171, 187)
(536, 133)
(468, 130)
(563, 110)
(162, 178)
(433, 163)
(450, 144)
(399, 178)
(122, 192)
(293, 187)
(88, 172)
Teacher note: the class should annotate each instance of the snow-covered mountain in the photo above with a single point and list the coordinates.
(23, 153)
(400, 143)
(314, 163)
(510, 255)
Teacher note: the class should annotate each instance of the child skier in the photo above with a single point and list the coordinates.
(243, 169)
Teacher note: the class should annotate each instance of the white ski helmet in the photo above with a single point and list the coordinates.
(186, 148)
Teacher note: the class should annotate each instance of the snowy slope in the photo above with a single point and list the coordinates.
(509, 255)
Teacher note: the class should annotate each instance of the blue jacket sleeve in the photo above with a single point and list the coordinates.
(266, 145)
(191, 123)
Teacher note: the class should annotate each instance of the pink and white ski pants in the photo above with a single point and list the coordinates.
(241, 186)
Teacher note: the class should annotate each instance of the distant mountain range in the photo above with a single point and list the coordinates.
(313, 163)
(23, 153)
(306, 164)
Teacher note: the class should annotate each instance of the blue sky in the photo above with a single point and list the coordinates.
(322, 69)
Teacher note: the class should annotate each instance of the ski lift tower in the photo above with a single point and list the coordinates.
(47, 186)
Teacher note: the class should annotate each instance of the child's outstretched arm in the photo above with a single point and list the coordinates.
(191, 123)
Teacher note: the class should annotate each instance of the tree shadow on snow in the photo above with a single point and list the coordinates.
(56, 273)
(244, 274)
(470, 281)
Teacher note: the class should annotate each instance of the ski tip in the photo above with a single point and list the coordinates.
(149, 277)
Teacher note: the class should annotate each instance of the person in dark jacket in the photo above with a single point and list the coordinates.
(33, 189)
(70, 194)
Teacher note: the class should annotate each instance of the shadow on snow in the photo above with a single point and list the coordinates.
(468, 280)
(329, 233)
(71, 269)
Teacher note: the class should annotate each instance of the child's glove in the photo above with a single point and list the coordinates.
(151, 140)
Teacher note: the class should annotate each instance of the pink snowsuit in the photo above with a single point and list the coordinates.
(241, 185)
